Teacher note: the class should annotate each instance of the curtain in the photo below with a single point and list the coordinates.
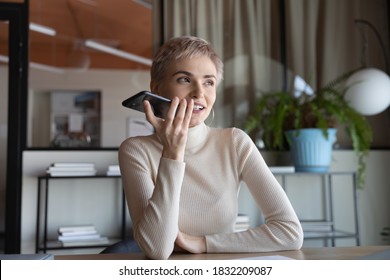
(240, 31)
(318, 46)
(322, 42)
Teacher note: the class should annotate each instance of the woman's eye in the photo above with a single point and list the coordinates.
(183, 80)
(209, 82)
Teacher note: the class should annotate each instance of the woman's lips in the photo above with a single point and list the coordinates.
(198, 108)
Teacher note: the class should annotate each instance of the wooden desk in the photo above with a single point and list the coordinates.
(325, 253)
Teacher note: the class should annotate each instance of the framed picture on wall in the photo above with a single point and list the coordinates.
(138, 127)
(75, 118)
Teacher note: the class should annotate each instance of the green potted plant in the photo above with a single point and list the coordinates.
(278, 112)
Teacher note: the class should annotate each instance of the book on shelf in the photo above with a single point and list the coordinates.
(113, 170)
(241, 227)
(77, 233)
(76, 229)
(84, 168)
(71, 173)
(71, 169)
(73, 164)
(79, 237)
(242, 218)
(242, 222)
(282, 169)
(74, 243)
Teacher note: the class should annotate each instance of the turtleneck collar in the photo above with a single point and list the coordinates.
(196, 136)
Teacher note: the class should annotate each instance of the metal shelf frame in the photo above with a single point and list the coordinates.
(42, 244)
(327, 184)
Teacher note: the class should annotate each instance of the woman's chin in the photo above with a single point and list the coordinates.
(198, 118)
(196, 121)
(193, 124)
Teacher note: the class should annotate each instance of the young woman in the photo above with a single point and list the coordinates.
(182, 182)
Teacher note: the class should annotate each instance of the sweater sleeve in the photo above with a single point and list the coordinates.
(282, 229)
(153, 194)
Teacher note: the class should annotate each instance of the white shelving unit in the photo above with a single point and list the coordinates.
(324, 228)
(42, 242)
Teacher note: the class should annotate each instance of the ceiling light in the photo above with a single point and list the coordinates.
(47, 68)
(35, 65)
(4, 58)
(145, 3)
(103, 48)
(42, 29)
(89, 2)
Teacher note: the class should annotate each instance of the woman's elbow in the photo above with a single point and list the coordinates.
(156, 250)
(296, 237)
(297, 243)
(289, 235)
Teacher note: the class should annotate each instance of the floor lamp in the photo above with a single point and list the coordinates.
(369, 92)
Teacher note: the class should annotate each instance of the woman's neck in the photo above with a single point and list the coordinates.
(196, 135)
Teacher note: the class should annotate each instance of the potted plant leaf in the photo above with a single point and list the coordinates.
(282, 117)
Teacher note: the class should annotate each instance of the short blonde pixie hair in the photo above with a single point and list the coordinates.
(183, 47)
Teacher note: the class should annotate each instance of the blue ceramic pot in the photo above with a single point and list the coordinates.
(310, 150)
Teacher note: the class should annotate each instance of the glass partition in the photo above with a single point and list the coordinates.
(85, 49)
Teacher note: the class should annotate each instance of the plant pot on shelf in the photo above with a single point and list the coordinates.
(311, 150)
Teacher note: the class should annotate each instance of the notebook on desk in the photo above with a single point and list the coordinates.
(26, 257)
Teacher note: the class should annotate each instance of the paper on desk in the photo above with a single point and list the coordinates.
(274, 257)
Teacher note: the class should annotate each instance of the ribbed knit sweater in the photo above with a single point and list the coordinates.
(199, 196)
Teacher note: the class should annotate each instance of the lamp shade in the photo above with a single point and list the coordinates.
(369, 91)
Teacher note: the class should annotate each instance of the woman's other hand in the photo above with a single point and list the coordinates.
(190, 243)
(173, 130)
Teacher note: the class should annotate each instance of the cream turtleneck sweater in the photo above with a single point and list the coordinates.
(199, 196)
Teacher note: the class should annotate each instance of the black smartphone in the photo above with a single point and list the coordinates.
(159, 104)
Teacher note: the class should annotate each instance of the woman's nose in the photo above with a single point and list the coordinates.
(197, 92)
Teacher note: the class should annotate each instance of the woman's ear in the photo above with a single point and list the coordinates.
(154, 87)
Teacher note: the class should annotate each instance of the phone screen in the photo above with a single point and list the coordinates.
(159, 104)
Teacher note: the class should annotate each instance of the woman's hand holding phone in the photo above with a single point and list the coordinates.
(173, 130)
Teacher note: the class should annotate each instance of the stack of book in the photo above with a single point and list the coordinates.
(282, 169)
(83, 235)
(113, 170)
(71, 169)
(242, 223)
